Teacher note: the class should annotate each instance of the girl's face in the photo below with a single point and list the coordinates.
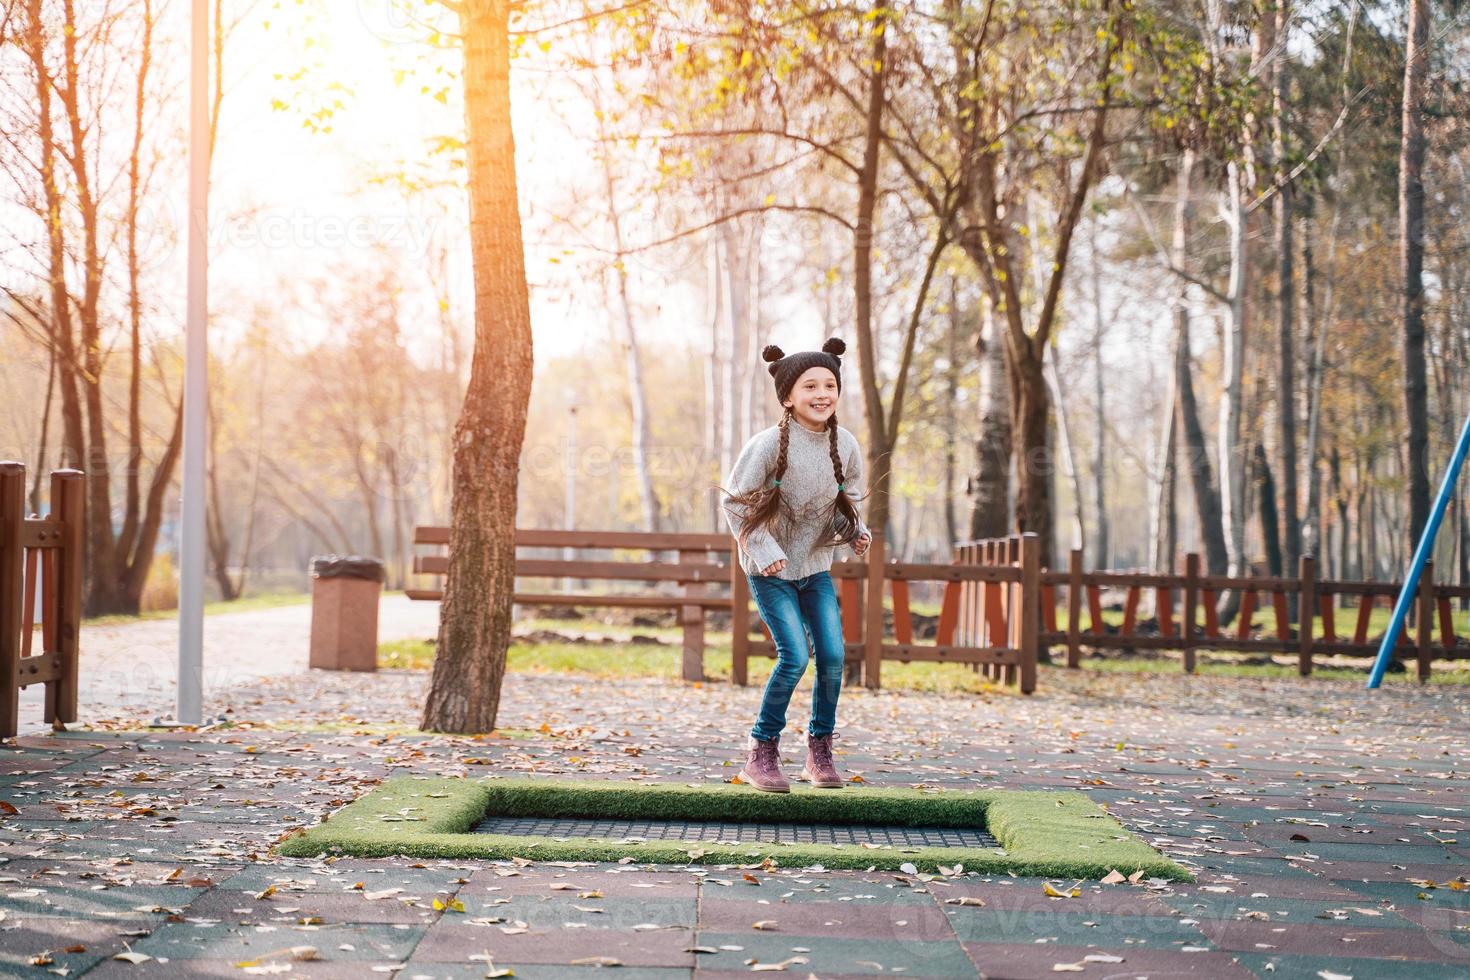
(813, 398)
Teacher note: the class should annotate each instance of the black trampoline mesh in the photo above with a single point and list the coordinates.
(715, 831)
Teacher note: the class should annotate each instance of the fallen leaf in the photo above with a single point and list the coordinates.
(776, 967)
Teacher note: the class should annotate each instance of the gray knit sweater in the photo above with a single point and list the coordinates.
(808, 486)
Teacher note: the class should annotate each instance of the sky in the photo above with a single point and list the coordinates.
(289, 204)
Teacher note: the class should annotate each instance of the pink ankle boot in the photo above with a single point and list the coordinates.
(763, 766)
(819, 770)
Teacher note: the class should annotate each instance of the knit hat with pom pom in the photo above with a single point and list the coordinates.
(786, 368)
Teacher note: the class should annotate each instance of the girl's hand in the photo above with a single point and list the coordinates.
(774, 567)
(860, 546)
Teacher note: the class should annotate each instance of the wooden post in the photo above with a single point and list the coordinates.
(739, 620)
(851, 601)
(68, 504)
(692, 617)
(12, 571)
(1306, 612)
(1426, 620)
(873, 618)
(1074, 609)
(1028, 622)
(1191, 604)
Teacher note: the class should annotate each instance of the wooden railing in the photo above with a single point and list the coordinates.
(47, 551)
(1181, 600)
(989, 616)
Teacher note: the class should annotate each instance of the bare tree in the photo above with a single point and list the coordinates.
(475, 619)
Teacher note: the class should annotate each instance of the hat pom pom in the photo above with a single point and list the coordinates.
(835, 347)
(771, 353)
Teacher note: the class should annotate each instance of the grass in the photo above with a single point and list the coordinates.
(264, 600)
(358, 726)
(617, 660)
(1263, 619)
(1051, 834)
(1165, 663)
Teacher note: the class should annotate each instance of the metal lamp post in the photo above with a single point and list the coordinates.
(189, 706)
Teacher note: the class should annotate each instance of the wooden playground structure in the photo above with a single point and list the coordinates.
(42, 554)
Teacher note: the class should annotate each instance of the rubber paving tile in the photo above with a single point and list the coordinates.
(1290, 967)
(1030, 961)
(209, 806)
(844, 920)
(214, 940)
(453, 939)
(1076, 928)
(829, 956)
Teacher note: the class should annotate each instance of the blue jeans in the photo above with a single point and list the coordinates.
(795, 610)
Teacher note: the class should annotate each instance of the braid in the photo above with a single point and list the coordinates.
(843, 520)
(832, 448)
(785, 427)
(763, 504)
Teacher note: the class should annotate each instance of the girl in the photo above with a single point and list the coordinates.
(790, 502)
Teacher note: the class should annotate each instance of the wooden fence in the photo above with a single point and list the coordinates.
(1180, 600)
(987, 619)
(989, 616)
(48, 551)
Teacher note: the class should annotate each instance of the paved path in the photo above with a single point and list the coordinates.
(131, 669)
(1329, 828)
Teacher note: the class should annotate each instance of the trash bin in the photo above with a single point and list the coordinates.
(344, 611)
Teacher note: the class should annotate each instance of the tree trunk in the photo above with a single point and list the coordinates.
(990, 487)
(1162, 481)
(44, 442)
(714, 444)
(1231, 457)
(1034, 459)
(877, 467)
(1069, 461)
(1101, 545)
(632, 359)
(1411, 264)
(951, 421)
(1285, 307)
(738, 357)
(1201, 476)
(475, 619)
(1266, 494)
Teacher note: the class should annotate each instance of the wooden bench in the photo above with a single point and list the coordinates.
(703, 559)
